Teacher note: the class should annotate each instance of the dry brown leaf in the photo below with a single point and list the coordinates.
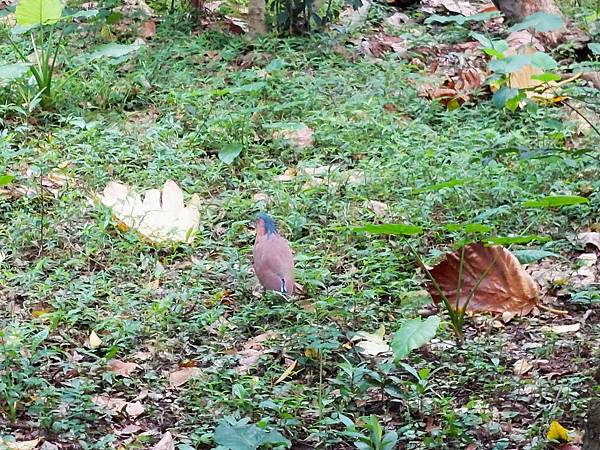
(128, 430)
(161, 216)
(522, 366)
(182, 376)
(396, 20)
(114, 404)
(148, 29)
(287, 372)
(165, 443)
(300, 136)
(134, 409)
(122, 368)
(506, 287)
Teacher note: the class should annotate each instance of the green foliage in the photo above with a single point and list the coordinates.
(376, 439)
(595, 48)
(5, 180)
(539, 22)
(530, 256)
(414, 334)
(460, 19)
(229, 152)
(232, 434)
(38, 12)
(390, 228)
(556, 200)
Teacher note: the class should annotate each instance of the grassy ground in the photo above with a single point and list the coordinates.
(68, 271)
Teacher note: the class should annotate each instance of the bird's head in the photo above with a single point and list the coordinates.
(265, 225)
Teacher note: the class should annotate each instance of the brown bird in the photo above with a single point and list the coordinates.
(273, 258)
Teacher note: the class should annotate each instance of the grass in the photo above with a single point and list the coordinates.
(159, 116)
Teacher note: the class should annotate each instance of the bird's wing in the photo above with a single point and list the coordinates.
(274, 262)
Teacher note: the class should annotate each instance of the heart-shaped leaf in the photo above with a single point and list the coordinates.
(229, 152)
(36, 12)
(413, 334)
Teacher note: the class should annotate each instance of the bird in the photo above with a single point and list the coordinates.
(273, 258)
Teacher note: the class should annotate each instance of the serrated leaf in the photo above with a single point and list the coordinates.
(556, 200)
(539, 22)
(413, 334)
(34, 12)
(229, 152)
(390, 228)
(529, 256)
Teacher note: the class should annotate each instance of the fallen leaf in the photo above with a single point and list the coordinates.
(94, 340)
(504, 286)
(165, 443)
(396, 20)
(182, 376)
(561, 329)
(124, 369)
(557, 432)
(590, 238)
(22, 445)
(161, 216)
(300, 136)
(521, 367)
(128, 430)
(114, 404)
(371, 344)
(148, 29)
(134, 409)
(380, 209)
(287, 372)
(49, 446)
(289, 174)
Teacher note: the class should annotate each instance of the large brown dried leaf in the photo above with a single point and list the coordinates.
(182, 376)
(166, 442)
(122, 368)
(506, 287)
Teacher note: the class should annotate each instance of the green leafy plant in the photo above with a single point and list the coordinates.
(413, 334)
(375, 439)
(232, 434)
(41, 24)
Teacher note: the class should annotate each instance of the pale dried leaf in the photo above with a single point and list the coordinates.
(122, 368)
(94, 340)
(522, 366)
(134, 409)
(160, 216)
(287, 372)
(182, 376)
(396, 20)
(148, 29)
(371, 344)
(504, 286)
(166, 442)
(561, 329)
(379, 208)
(128, 430)
(22, 445)
(589, 238)
(300, 136)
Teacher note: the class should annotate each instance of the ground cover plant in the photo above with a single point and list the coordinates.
(114, 337)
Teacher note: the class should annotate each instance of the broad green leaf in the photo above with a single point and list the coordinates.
(498, 47)
(460, 19)
(509, 64)
(513, 103)
(437, 187)
(503, 95)
(241, 435)
(390, 228)
(555, 200)
(276, 64)
(543, 61)
(113, 51)
(546, 77)
(413, 334)
(10, 72)
(39, 338)
(83, 14)
(595, 48)
(468, 227)
(540, 22)
(508, 240)
(389, 440)
(229, 152)
(251, 87)
(6, 179)
(529, 256)
(34, 12)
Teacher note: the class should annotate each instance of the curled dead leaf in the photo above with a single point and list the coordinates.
(491, 276)
(94, 340)
(522, 366)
